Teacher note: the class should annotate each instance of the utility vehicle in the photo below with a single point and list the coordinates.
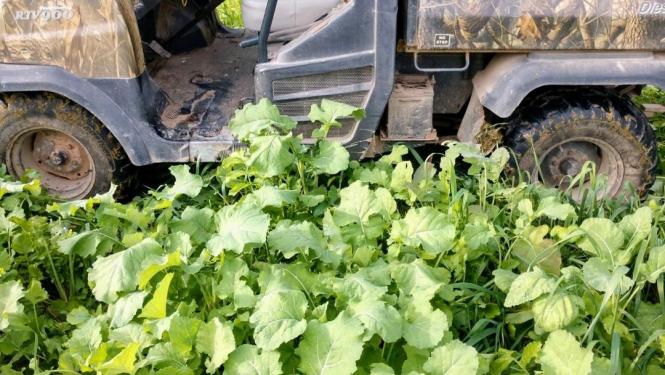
(92, 87)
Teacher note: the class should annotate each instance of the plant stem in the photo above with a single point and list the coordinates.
(58, 284)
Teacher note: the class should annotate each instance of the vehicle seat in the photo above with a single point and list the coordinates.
(291, 17)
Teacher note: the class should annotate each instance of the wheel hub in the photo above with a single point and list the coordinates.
(61, 155)
(566, 161)
(570, 167)
(65, 166)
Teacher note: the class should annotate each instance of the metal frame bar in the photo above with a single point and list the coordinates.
(467, 57)
(266, 26)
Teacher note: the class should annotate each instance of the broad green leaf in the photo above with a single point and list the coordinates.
(534, 249)
(257, 119)
(551, 208)
(598, 275)
(125, 308)
(271, 155)
(291, 238)
(83, 244)
(5, 262)
(248, 360)
(232, 287)
(186, 183)
(296, 276)
(381, 369)
(180, 243)
(279, 317)
(17, 187)
(637, 226)
(423, 326)
(415, 360)
(500, 361)
(153, 266)
(330, 158)
(239, 227)
(602, 366)
(601, 237)
(401, 177)
(395, 156)
(385, 202)
(477, 235)
(454, 358)
(198, 223)
(428, 228)
(504, 279)
(563, 355)
(529, 286)
(156, 307)
(358, 287)
(554, 312)
(419, 280)
(160, 326)
(78, 316)
(10, 294)
(183, 333)
(331, 348)
(525, 206)
(164, 355)
(357, 205)
(132, 333)
(217, 341)
(35, 293)
(361, 213)
(378, 318)
(497, 163)
(173, 370)
(655, 266)
(377, 175)
(122, 363)
(119, 272)
(271, 196)
(85, 339)
(530, 352)
(329, 112)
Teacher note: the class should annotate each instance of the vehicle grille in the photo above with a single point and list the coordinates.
(323, 81)
(300, 108)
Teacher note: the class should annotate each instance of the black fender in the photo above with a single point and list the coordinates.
(117, 103)
(508, 79)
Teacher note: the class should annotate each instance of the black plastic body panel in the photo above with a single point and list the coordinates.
(358, 34)
(117, 103)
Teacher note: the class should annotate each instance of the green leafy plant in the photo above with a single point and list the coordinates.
(229, 14)
(290, 257)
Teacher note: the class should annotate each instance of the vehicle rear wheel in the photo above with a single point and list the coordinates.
(556, 134)
(74, 154)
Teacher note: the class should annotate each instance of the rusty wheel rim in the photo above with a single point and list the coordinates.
(65, 166)
(564, 161)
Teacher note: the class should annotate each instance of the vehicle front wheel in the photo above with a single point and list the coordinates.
(556, 134)
(74, 154)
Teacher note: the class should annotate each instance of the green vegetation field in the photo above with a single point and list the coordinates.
(288, 258)
(229, 14)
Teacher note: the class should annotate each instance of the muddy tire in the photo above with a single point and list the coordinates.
(555, 134)
(75, 155)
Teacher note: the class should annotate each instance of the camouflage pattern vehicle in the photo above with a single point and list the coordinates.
(91, 88)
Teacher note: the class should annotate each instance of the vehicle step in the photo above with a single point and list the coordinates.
(652, 110)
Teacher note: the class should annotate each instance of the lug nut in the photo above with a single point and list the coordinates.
(58, 158)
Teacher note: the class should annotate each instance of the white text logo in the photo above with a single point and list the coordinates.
(443, 40)
(46, 14)
(652, 8)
